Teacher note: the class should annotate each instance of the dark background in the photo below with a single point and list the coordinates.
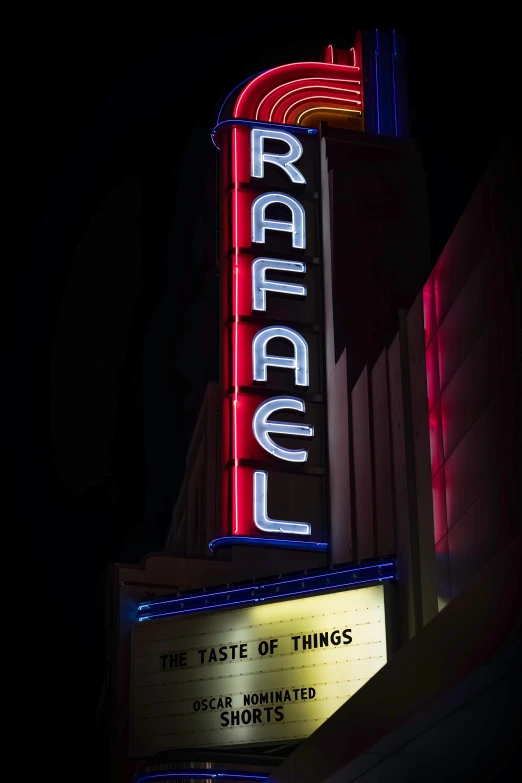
(112, 295)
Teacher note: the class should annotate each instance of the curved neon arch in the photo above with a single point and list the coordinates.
(277, 98)
(283, 94)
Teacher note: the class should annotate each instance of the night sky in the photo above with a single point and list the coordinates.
(112, 294)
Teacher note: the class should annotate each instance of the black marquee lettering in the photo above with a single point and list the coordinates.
(263, 648)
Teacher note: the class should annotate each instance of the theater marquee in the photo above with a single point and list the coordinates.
(264, 673)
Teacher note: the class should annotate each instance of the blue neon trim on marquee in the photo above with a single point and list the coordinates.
(206, 607)
(256, 600)
(330, 587)
(211, 593)
(199, 774)
(282, 543)
(255, 124)
(259, 592)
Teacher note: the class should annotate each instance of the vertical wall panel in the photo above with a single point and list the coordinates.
(477, 325)
(466, 319)
(474, 462)
(339, 464)
(400, 484)
(362, 467)
(462, 252)
(472, 387)
(443, 573)
(473, 539)
(421, 454)
(385, 542)
(440, 524)
(341, 544)
(213, 500)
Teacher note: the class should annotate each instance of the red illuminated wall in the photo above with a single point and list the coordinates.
(424, 442)
(472, 319)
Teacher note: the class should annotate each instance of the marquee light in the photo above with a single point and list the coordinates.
(260, 285)
(262, 428)
(260, 224)
(285, 161)
(261, 360)
(261, 518)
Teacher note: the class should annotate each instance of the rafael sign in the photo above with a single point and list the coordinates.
(274, 488)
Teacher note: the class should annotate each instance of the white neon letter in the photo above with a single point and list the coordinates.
(261, 360)
(262, 427)
(296, 227)
(261, 518)
(259, 157)
(260, 285)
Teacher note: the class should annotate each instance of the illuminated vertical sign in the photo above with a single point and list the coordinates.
(274, 478)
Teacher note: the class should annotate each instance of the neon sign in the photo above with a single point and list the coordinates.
(274, 479)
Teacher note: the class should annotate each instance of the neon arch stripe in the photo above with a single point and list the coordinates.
(264, 96)
(295, 109)
(325, 92)
(326, 109)
(273, 98)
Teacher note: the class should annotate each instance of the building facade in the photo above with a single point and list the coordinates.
(364, 436)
